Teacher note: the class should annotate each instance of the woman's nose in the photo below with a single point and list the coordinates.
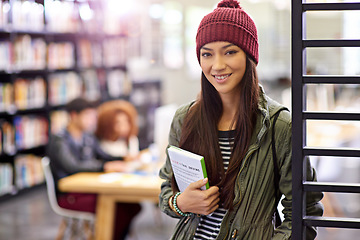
(218, 63)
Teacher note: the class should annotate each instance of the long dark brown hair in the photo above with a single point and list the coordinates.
(200, 132)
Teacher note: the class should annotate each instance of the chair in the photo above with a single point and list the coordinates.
(75, 217)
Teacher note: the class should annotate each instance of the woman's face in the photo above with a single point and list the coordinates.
(122, 125)
(223, 64)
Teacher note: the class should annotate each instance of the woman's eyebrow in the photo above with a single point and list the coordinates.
(226, 46)
(207, 49)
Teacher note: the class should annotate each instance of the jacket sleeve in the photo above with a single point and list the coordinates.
(313, 206)
(166, 171)
(60, 155)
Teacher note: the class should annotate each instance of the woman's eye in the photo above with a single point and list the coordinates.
(231, 52)
(205, 54)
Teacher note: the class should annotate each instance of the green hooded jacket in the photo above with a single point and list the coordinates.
(254, 202)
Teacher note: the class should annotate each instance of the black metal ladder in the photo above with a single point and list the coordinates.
(300, 115)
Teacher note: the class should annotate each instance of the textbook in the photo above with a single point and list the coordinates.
(188, 167)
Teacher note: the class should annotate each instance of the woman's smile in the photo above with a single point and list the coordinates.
(221, 78)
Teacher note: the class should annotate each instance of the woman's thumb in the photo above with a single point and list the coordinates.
(201, 183)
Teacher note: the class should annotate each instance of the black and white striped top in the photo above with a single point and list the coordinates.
(209, 225)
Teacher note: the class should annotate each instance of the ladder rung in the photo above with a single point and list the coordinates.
(332, 222)
(343, 116)
(327, 79)
(334, 152)
(331, 43)
(331, 187)
(330, 6)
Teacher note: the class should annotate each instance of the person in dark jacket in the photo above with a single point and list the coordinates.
(231, 125)
(75, 149)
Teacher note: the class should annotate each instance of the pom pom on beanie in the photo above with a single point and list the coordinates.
(230, 23)
(229, 4)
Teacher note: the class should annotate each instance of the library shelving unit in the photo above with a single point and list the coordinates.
(52, 51)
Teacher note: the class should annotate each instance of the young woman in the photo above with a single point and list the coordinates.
(231, 125)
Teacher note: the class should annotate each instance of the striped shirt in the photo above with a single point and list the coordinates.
(209, 225)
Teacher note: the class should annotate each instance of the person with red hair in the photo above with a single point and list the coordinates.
(117, 131)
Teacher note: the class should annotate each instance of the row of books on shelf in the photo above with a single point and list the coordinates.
(24, 93)
(61, 16)
(25, 15)
(29, 132)
(26, 132)
(28, 172)
(27, 53)
(31, 93)
(65, 86)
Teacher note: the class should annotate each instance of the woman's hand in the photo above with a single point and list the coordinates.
(198, 201)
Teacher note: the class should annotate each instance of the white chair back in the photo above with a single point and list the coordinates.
(51, 192)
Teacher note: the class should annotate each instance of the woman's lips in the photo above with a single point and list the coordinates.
(221, 78)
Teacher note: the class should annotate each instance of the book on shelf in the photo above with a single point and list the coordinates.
(29, 54)
(8, 138)
(187, 167)
(4, 14)
(63, 87)
(61, 16)
(29, 93)
(6, 55)
(27, 15)
(118, 84)
(115, 58)
(91, 84)
(6, 97)
(61, 55)
(6, 178)
(89, 54)
(30, 131)
(28, 171)
(1, 142)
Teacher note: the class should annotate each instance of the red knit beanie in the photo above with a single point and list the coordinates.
(229, 23)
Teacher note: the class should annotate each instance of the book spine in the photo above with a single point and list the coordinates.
(203, 166)
(8, 132)
(6, 178)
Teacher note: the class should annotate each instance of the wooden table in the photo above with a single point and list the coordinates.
(112, 188)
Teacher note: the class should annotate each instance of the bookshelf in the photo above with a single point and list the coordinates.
(52, 51)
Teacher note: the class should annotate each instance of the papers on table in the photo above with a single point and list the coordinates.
(129, 179)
